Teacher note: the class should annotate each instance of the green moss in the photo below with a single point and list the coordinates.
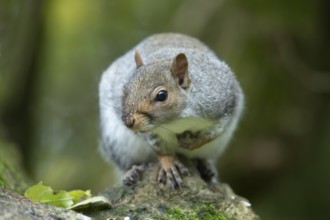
(209, 212)
(177, 213)
(204, 212)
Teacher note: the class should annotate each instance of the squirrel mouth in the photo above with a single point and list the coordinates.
(142, 128)
(138, 122)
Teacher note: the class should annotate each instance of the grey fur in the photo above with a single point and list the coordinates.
(214, 95)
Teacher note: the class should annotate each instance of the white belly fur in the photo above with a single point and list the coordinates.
(168, 133)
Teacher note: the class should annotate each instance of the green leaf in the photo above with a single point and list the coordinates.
(38, 192)
(78, 194)
(45, 194)
(98, 202)
(61, 199)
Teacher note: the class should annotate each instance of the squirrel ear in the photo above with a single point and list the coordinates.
(138, 59)
(179, 70)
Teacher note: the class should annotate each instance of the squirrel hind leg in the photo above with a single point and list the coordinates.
(206, 170)
(133, 175)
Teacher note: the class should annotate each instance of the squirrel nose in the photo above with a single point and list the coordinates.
(129, 121)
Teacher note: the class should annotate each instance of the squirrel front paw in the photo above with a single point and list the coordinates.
(193, 140)
(189, 140)
(170, 170)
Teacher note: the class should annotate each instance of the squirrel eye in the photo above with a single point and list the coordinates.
(161, 96)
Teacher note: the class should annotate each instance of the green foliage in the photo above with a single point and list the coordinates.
(45, 194)
(78, 194)
(96, 202)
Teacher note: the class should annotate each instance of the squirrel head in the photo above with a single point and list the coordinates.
(156, 92)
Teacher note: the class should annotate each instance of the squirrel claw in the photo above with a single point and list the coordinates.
(133, 175)
(170, 170)
(170, 177)
(182, 168)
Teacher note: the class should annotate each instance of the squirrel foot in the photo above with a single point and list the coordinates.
(133, 174)
(169, 171)
(206, 170)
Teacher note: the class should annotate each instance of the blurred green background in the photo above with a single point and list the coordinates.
(52, 54)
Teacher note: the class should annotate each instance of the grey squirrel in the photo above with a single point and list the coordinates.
(170, 95)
